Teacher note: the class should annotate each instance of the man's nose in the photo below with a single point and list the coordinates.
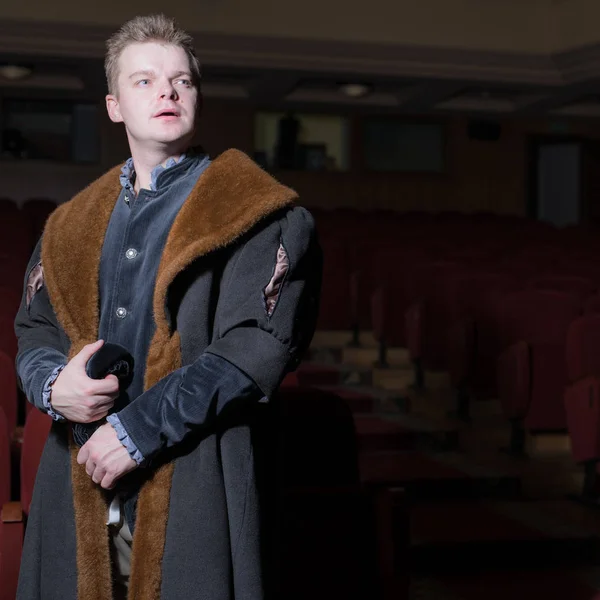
(168, 91)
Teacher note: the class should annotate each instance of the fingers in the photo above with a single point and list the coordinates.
(99, 402)
(83, 454)
(102, 387)
(96, 413)
(98, 474)
(94, 416)
(108, 481)
(86, 353)
(103, 403)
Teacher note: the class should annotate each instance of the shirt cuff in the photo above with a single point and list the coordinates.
(125, 439)
(47, 393)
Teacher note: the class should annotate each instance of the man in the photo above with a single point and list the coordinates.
(209, 275)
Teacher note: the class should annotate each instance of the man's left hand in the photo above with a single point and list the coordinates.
(106, 459)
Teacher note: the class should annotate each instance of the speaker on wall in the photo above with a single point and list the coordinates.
(484, 131)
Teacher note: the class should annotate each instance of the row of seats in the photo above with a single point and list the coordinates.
(14, 511)
(367, 251)
(20, 229)
(508, 306)
(332, 536)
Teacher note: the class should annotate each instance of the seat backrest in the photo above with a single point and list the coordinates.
(5, 478)
(39, 206)
(35, 433)
(38, 210)
(592, 305)
(583, 347)
(469, 291)
(10, 299)
(589, 269)
(334, 309)
(581, 286)
(8, 339)
(7, 206)
(428, 277)
(15, 233)
(8, 391)
(535, 316)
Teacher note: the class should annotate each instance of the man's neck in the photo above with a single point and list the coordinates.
(145, 162)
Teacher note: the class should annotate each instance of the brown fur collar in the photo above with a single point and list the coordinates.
(231, 196)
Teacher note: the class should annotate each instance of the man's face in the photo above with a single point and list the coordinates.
(157, 98)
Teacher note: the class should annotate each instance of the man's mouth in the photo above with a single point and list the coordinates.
(166, 114)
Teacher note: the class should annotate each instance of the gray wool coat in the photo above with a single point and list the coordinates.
(239, 278)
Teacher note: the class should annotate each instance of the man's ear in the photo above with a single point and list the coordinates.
(112, 107)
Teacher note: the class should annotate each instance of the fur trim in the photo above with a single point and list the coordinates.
(153, 502)
(94, 571)
(71, 266)
(71, 249)
(230, 197)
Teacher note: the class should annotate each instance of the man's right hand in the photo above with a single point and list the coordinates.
(77, 397)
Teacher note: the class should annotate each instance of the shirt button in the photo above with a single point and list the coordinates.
(121, 312)
(131, 253)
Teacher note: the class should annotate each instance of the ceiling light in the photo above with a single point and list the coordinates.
(15, 72)
(355, 90)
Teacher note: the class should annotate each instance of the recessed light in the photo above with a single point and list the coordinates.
(15, 72)
(355, 90)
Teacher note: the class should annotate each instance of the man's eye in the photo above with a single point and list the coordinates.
(185, 82)
(143, 82)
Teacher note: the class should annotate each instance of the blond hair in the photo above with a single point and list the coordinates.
(150, 28)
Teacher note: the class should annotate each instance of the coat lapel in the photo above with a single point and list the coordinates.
(71, 250)
(231, 196)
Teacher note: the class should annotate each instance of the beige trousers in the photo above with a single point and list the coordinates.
(121, 539)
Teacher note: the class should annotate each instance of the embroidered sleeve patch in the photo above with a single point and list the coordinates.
(273, 290)
(35, 281)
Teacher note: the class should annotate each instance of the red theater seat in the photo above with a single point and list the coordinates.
(38, 210)
(429, 314)
(334, 310)
(8, 339)
(532, 372)
(5, 477)
(7, 206)
(8, 391)
(592, 305)
(582, 396)
(10, 299)
(14, 514)
(15, 234)
(11, 526)
(583, 287)
(471, 338)
(35, 432)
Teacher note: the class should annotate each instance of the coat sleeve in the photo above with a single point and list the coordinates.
(40, 344)
(266, 314)
(265, 319)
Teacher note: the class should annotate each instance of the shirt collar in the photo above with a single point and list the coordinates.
(127, 176)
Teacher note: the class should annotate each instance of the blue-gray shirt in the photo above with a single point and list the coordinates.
(133, 245)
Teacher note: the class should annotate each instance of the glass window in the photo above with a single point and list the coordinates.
(50, 129)
(395, 145)
(302, 141)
